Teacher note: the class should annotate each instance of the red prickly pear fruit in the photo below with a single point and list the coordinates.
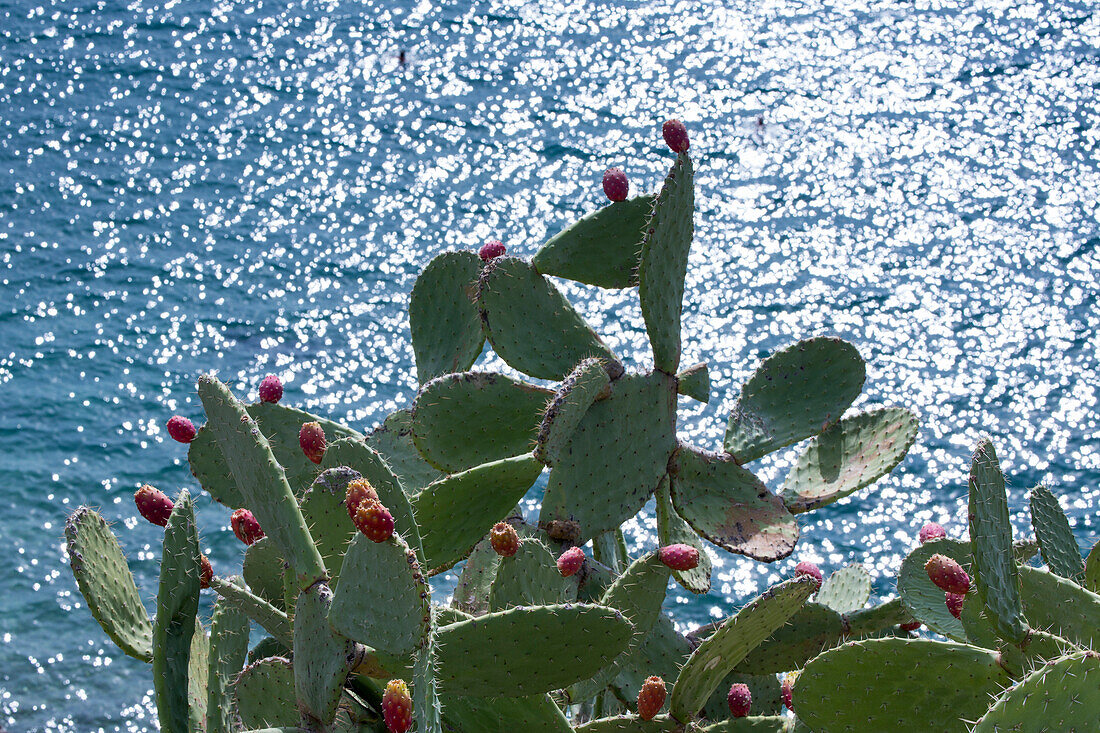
(570, 561)
(245, 526)
(397, 707)
(491, 250)
(504, 539)
(786, 688)
(679, 557)
(206, 573)
(359, 491)
(739, 700)
(312, 439)
(676, 135)
(271, 389)
(931, 531)
(181, 429)
(153, 504)
(651, 698)
(808, 568)
(374, 520)
(913, 626)
(947, 574)
(615, 184)
(954, 603)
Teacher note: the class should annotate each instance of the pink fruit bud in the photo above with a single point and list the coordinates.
(947, 574)
(504, 539)
(271, 389)
(153, 504)
(245, 526)
(739, 700)
(181, 429)
(912, 626)
(651, 698)
(808, 568)
(397, 707)
(374, 520)
(570, 561)
(359, 490)
(679, 557)
(954, 603)
(491, 250)
(931, 531)
(615, 185)
(786, 690)
(312, 439)
(206, 574)
(676, 135)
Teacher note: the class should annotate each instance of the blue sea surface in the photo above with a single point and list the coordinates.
(251, 187)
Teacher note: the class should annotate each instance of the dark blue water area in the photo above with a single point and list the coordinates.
(251, 188)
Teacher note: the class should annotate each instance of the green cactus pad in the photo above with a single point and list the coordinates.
(1092, 569)
(731, 642)
(847, 456)
(472, 591)
(694, 382)
(876, 619)
(393, 440)
(663, 264)
(457, 511)
(263, 570)
(273, 621)
(846, 590)
(1060, 606)
(601, 248)
(730, 506)
(174, 624)
(104, 579)
(794, 394)
(425, 690)
(260, 479)
(198, 670)
(264, 692)
(528, 651)
(995, 575)
(228, 651)
(922, 597)
(898, 685)
(463, 420)
(812, 629)
(1056, 542)
(662, 652)
(1062, 696)
(268, 646)
(445, 324)
(519, 308)
(630, 724)
(673, 530)
(530, 578)
(534, 714)
(383, 598)
(584, 385)
(326, 515)
(358, 456)
(322, 658)
(616, 457)
(280, 425)
(752, 724)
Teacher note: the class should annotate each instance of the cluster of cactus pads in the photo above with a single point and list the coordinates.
(345, 528)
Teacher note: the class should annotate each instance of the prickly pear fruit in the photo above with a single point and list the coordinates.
(912, 626)
(359, 491)
(676, 135)
(271, 389)
(312, 439)
(570, 561)
(397, 707)
(153, 504)
(245, 526)
(739, 699)
(491, 250)
(615, 185)
(374, 520)
(931, 531)
(181, 429)
(504, 539)
(954, 603)
(808, 568)
(947, 574)
(785, 690)
(679, 557)
(207, 572)
(651, 698)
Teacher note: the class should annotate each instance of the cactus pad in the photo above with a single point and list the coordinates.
(753, 724)
(326, 515)
(105, 581)
(273, 621)
(897, 685)
(527, 651)
(322, 658)
(519, 307)
(662, 652)
(694, 382)
(663, 264)
(601, 248)
(731, 642)
(1092, 569)
(529, 578)
(445, 324)
(673, 530)
(630, 724)
(471, 594)
(455, 512)
(812, 629)
(1060, 606)
(921, 596)
(463, 420)
(616, 457)
(264, 692)
(263, 570)
(228, 651)
(584, 385)
(1061, 696)
(995, 575)
(393, 440)
(846, 590)
(1056, 542)
(849, 455)
(730, 506)
(794, 394)
(534, 714)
